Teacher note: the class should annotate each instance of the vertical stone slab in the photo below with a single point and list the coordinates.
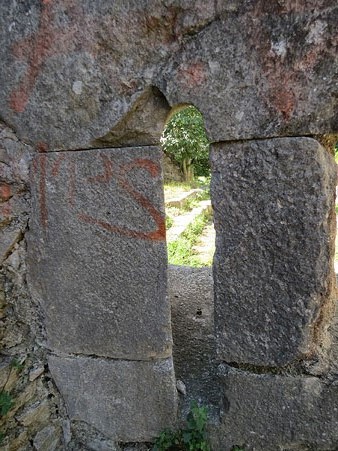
(128, 401)
(97, 256)
(273, 271)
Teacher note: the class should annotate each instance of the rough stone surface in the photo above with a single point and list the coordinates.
(48, 439)
(81, 435)
(274, 218)
(171, 172)
(255, 69)
(34, 414)
(142, 125)
(36, 403)
(105, 55)
(265, 412)
(126, 400)
(83, 74)
(261, 69)
(15, 157)
(194, 352)
(97, 252)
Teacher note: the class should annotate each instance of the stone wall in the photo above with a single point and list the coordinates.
(37, 415)
(86, 88)
(171, 172)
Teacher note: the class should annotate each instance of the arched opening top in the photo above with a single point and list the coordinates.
(190, 232)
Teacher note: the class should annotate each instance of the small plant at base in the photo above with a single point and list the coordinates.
(194, 436)
(168, 440)
(191, 438)
(17, 365)
(6, 400)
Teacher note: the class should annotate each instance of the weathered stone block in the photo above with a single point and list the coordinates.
(97, 256)
(192, 305)
(48, 439)
(9, 235)
(261, 69)
(274, 218)
(265, 412)
(105, 54)
(255, 69)
(127, 401)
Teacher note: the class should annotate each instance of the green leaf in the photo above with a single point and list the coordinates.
(192, 438)
(16, 364)
(184, 139)
(186, 436)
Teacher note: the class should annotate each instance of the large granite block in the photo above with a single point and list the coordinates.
(97, 256)
(261, 69)
(265, 412)
(273, 270)
(127, 401)
(76, 71)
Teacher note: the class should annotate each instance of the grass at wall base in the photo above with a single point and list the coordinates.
(191, 438)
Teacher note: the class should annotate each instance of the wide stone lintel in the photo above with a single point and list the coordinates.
(125, 400)
(273, 270)
(266, 412)
(97, 256)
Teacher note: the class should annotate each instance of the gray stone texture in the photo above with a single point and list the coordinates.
(255, 69)
(14, 196)
(261, 69)
(273, 272)
(265, 412)
(89, 63)
(86, 75)
(48, 439)
(194, 352)
(125, 400)
(97, 256)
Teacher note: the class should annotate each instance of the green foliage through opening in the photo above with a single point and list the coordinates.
(185, 141)
(180, 251)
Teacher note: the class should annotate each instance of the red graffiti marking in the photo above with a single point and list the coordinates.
(71, 168)
(153, 236)
(281, 95)
(57, 164)
(6, 210)
(121, 175)
(285, 72)
(193, 75)
(107, 174)
(42, 147)
(72, 182)
(143, 163)
(5, 192)
(49, 40)
(5, 196)
(40, 167)
(160, 232)
(35, 167)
